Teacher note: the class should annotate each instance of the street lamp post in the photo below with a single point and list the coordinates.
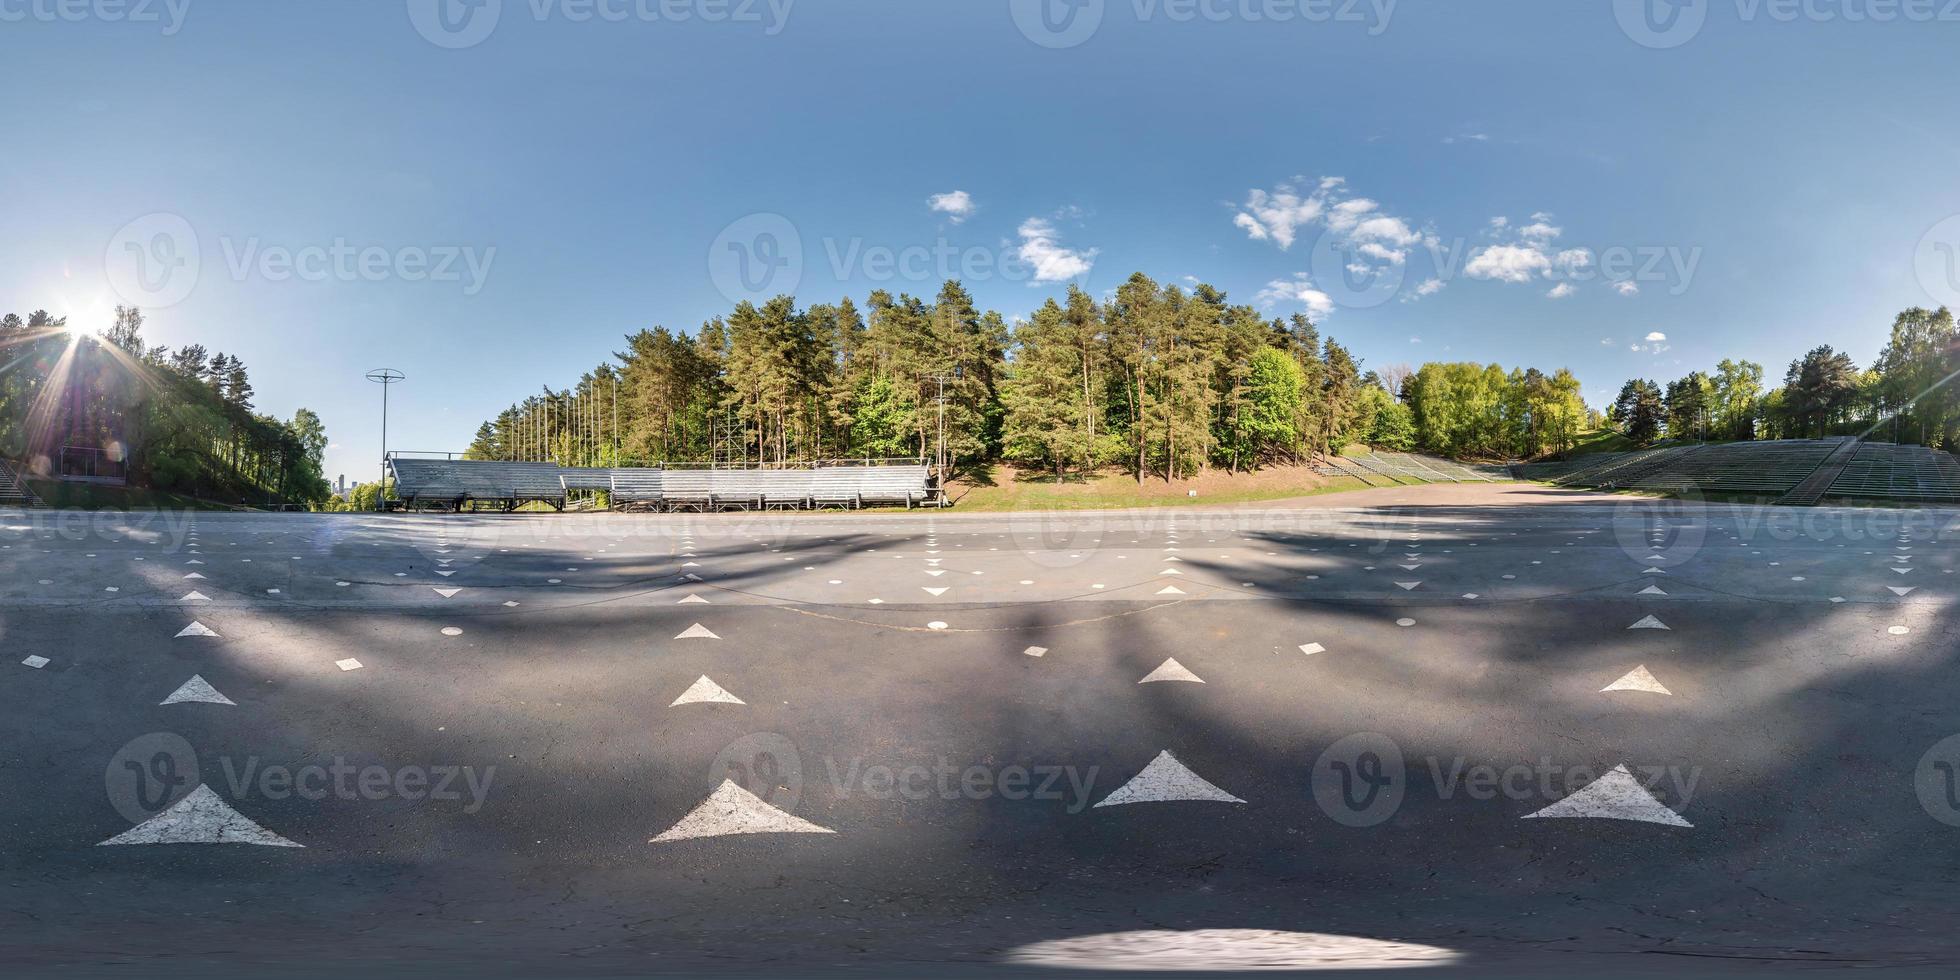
(385, 377)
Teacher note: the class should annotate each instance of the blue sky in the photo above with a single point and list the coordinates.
(596, 171)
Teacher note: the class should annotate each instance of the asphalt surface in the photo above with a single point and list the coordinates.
(498, 781)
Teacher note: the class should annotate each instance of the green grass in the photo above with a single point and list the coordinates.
(1602, 441)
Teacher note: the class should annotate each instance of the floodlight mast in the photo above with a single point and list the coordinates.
(386, 378)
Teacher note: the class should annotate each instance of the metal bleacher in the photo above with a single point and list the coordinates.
(452, 483)
(1770, 468)
(1893, 472)
(1400, 467)
(14, 493)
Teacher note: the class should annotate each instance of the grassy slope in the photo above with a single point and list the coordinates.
(1006, 489)
(90, 496)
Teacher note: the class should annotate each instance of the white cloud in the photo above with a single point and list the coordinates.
(1430, 287)
(1656, 337)
(1626, 287)
(957, 205)
(1508, 263)
(1299, 289)
(1050, 260)
(1359, 223)
(1561, 291)
(1573, 260)
(1608, 342)
(1539, 231)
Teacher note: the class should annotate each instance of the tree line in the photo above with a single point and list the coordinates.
(179, 421)
(1906, 394)
(1157, 380)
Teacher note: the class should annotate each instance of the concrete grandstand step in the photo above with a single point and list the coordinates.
(1814, 486)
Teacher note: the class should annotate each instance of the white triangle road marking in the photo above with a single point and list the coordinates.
(1171, 670)
(935, 592)
(691, 598)
(705, 691)
(1170, 590)
(1652, 571)
(448, 593)
(1648, 623)
(1651, 590)
(1312, 648)
(1614, 796)
(697, 632)
(734, 810)
(1638, 679)
(197, 690)
(1902, 589)
(200, 818)
(1408, 586)
(1166, 780)
(195, 597)
(196, 629)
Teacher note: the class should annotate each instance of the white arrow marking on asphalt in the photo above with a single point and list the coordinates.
(935, 592)
(349, 664)
(1648, 623)
(194, 562)
(195, 597)
(691, 577)
(196, 629)
(36, 661)
(705, 691)
(1312, 648)
(1902, 589)
(691, 564)
(691, 599)
(1170, 571)
(1166, 780)
(192, 576)
(1652, 571)
(1614, 796)
(197, 690)
(697, 632)
(200, 818)
(1171, 670)
(1170, 590)
(734, 810)
(1902, 571)
(447, 593)
(1651, 590)
(1639, 679)
(1408, 586)
(445, 574)
(1036, 651)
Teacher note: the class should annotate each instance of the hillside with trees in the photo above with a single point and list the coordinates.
(1905, 396)
(1159, 382)
(178, 421)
